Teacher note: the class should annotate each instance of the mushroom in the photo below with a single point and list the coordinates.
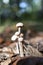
(19, 37)
(19, 26)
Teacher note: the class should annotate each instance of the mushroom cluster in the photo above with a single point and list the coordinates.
(18, 36)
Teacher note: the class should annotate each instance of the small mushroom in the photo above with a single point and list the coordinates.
(19, 26)
(18, 36)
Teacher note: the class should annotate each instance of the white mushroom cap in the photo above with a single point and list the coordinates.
(17, 33)
(19, 25)
(20, 39)
(14, 37)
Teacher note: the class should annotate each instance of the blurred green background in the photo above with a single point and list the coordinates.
(30, 12)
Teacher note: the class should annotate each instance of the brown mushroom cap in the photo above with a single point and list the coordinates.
(19, 25)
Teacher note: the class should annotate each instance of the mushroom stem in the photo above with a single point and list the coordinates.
(21, 49)
(17, 49)
(19, 29)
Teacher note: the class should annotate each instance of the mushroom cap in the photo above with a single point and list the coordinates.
(17, 33)
(19, 24)
(20, 39)
(14, 37)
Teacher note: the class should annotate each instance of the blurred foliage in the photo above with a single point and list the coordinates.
(12, 12)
